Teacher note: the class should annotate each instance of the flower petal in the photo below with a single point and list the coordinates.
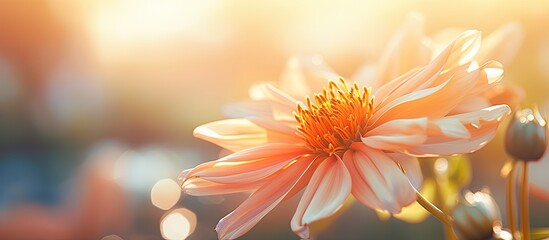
(282, 131)
(455, 58)
(202, 187)
(482, 126)
(405, 50)
(263, 151)
(367, 75)
(378, 182)
(468, 42)
(282, 104)
(433, 102)
(232, 134)
(503, 44)
(238, 134)
(471, 104)
(262, 201)
(468, 45)
(457, 146)
(247, 166)
(305, 75)
(505, 93)
(479, 97)
(397, 135)
(238, 172)
(411, 168)
(448, 127)
(328, 188)
(248, 108)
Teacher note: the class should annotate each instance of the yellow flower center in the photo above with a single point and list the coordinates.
(336, 118)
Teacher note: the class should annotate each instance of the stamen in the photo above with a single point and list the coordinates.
(336, 118)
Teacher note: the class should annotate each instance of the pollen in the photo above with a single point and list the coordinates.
(334, 118)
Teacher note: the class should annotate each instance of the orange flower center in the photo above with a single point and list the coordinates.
(336, 118)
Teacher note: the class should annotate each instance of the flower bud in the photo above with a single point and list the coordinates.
(476, 215)
(526, 136)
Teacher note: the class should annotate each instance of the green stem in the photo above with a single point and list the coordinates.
(443, 179)
(511, 199)
(437, 213)
(524, 219)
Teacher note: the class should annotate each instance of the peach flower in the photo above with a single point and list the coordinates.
(345, 139)
(410, 48)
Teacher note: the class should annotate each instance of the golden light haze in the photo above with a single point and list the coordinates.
(76, 74)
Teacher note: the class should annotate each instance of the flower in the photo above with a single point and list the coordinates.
(410, 48)
(526, 136)
(345, 139)
(476, 216)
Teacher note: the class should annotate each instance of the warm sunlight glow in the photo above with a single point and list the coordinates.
(178, 224)
(131, 119)
(138, 171)
(126, 24)
(165, 194)
(441, 166)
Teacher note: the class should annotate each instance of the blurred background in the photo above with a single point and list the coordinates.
(98, 100)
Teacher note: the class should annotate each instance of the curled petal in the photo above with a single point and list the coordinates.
(456, 57)
(448, 127)
(467, 45)
(378, 182)
(411, 81)
(479, 138)
(328, 188)
(489, 114)
(384, 107)
(262, 201)
(491, 73)
(501, 46)
(481, 125)
(432, 102)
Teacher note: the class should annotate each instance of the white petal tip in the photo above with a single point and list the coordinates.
(183, 176)
(303, 232)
